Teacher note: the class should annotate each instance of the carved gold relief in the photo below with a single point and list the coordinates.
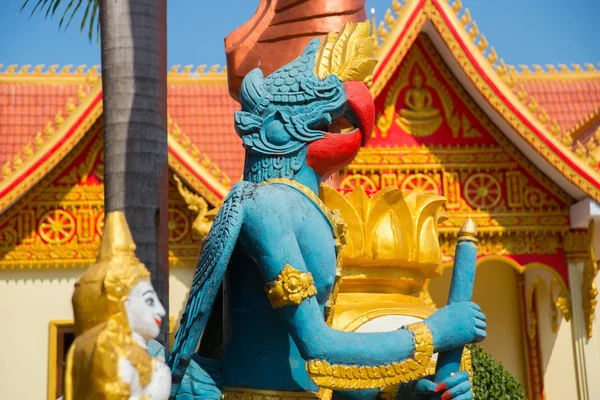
(560, 302)
(358, 180)
(419, 117)
(60, 222)
(56, 226)
(419, 183)
(518, 243)
(201, 224)
(482, 191)
(451, 190)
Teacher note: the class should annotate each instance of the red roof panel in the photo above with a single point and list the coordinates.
(203, 111)
(568, 101)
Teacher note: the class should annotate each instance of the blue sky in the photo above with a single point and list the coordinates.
(522, 31)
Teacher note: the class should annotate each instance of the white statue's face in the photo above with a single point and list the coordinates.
(144, 311)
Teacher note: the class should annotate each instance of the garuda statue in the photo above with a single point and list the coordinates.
(272, 253)
(116, 313)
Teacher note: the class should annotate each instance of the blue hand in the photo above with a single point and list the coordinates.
(456, 387)
(456, 325)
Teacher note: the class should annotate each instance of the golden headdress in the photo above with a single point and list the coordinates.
(101, 291)
(348, 54)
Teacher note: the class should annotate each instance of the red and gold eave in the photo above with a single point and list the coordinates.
(439, 17)
(59, 222)
(60, 137)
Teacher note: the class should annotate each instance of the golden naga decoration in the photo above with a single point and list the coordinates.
(561, 302)
(291, 287)
(203, 221)
(420, 118)
(348, 54)
(351, 377)
(108, 358)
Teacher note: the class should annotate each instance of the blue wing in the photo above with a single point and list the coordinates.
(219, 246)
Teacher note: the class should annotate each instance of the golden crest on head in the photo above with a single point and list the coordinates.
(101, 291)
(347, 54)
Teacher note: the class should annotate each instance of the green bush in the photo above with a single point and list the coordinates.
(491, 381)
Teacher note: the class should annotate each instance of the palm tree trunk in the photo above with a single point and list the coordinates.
(134, 74)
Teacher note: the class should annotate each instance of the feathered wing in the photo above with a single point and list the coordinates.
(217, 251)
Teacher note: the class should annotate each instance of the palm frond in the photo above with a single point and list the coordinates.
(88, 21)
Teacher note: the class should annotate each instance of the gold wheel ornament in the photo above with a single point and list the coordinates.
(351, 182)
(419, 183)
(57, 226)
(178, 225)
(482, 191)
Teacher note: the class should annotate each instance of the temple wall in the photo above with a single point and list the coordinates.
(496, 292)
(29, 300)
(556, 349)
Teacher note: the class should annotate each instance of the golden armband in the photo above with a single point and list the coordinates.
(352, 377)
(290, 287)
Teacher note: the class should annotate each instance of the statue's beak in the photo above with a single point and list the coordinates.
(363, 109)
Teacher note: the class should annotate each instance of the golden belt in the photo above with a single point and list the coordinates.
(257, 394)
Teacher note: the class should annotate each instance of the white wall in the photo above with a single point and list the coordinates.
(29, 300)
(556, 349)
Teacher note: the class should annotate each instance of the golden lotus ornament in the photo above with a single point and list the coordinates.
(392, 248)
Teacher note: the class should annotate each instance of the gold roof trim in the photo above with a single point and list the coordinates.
(215, 74)
(67, 74)
(555, 72)
(585, 124)
(53, 74)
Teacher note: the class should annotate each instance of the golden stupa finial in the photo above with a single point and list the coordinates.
(101, 291)
(348, 54)
(468, 231)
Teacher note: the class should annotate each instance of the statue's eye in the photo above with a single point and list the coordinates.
(150, 302)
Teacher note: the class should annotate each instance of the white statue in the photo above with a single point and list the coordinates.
(116, 313)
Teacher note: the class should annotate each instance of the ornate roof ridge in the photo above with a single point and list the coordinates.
(585, 124)
(54, 69)
(40, 141)
(554, 72)
(56, 74)
(199, 69)
(192, 150)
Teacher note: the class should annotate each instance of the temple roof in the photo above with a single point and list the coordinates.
(507, 96)
(570, 97)
(41, 111)
(553, 105)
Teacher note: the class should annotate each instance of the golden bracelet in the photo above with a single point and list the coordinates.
(352, 377)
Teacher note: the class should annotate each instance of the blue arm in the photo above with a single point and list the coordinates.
(269, 238)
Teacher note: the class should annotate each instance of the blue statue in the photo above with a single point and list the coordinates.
(267, 272)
